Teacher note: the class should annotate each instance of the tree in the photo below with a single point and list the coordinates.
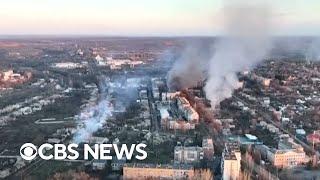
(257, 157)
(245, 175)
(203, 174)
(72, 175)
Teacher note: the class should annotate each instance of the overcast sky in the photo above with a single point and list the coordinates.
(145, 17)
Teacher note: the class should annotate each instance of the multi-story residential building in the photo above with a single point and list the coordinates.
(288, 154)
(187, 110)
(149, 171)
(180, 125)
(230, 162)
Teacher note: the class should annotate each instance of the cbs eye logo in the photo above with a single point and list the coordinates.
(28, 151)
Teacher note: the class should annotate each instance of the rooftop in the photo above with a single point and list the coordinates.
(160, 166)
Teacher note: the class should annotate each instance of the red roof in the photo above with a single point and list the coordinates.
(313, 137)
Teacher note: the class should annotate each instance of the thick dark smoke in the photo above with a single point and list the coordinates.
(190, 68)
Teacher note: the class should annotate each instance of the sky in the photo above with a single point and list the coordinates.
(145, 17)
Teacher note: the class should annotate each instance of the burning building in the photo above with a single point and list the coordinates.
(187, 110)
(186, 116)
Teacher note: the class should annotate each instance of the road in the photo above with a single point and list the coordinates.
(153, 116)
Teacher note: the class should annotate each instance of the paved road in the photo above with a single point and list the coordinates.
(154, 120)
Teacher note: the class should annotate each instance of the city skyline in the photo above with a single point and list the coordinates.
(144, 18)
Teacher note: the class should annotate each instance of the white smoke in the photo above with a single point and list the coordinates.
(115, 95)
(246, 42)
(93, 119)
(313, 51)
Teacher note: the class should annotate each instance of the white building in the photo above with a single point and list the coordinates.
(7, 75)
(68, 65)
(300, 132)
(266, 101)
(180, 125)
(99, 164)
(230, 162)
(164, 113)
(99, 58)
(191, 114)
(188, 111)
(187, 154)
(118, 63)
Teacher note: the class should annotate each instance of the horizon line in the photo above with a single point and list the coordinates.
(10, 36)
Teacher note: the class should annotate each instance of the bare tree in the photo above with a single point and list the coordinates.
(203, 174)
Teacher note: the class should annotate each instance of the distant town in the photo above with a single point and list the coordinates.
(116, 90)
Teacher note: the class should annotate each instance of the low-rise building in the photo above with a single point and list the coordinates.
(180, 125)
(188, 154)
(300, 132)
(98, 164)
(118, 63)
(68, 65)
(314, 138)
(117, 164)
(9, 78)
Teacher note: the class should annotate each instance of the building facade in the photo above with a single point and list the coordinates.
(187, 154)
(230, 162)
(287, 158)
(147, 171)
(288, 154)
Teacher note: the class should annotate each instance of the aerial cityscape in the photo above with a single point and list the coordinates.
(240, 105)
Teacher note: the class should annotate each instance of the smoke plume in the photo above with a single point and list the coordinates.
(246, 42)
(114, 96)
(313, 51)
(93, 117)
(190, 68)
